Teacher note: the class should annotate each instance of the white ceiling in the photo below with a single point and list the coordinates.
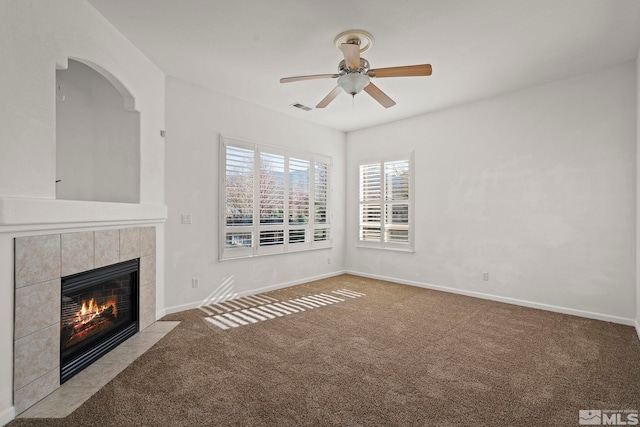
(478, 48)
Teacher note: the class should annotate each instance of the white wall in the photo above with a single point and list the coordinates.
(535, 187)
(195, 119)
(97, 139)
(36, 36)
(638, 195)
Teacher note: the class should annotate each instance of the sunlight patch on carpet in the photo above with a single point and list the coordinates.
(258, 308)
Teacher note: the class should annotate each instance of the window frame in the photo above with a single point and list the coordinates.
(310, 227)
(382, 203)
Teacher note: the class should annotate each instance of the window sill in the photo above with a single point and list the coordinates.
(407, 250)
(290, 251)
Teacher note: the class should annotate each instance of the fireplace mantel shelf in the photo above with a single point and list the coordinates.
(40, 213)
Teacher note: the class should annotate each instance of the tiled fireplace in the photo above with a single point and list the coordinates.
(40, 263)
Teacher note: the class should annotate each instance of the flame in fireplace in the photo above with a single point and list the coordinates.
(91, 309)
(87, 319)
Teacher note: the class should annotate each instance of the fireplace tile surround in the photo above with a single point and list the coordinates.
(40, 262)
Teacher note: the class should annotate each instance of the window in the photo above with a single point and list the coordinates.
(272, 200)
(385, 204)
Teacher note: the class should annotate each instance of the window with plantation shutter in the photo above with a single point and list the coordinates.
(238, 193)
(298, 191)
(321, 187)
(385, 204)
(239, 189)
(272, 201)
(322, 178)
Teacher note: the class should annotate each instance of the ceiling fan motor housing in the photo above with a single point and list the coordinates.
(364, 67)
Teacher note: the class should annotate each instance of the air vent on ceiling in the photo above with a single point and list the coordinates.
(302, 107)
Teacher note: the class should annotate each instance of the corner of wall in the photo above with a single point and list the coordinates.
(638, 194)
(7, 415)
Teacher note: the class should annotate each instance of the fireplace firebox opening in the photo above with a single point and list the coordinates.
(99, 310)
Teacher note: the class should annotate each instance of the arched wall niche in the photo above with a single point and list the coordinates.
(97, 136)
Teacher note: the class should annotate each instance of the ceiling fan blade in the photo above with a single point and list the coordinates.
(379, 95)
(351, 55)
(327, 99)
(314, 76)
(407, 71)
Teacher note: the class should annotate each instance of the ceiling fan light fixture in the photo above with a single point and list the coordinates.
(353, 83)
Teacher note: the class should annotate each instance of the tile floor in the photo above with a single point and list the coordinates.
(81, 387)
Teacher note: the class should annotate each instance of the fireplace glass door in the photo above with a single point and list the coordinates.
(99, 311)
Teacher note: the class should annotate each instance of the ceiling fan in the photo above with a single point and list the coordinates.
(354, 73)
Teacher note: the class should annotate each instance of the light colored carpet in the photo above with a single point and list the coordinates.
(397, 356)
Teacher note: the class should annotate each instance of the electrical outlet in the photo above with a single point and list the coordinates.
(485, 276)
(328, 260)
(195, 282)
(185, 218)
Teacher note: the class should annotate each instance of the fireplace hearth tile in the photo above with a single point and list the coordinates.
(37, 259)
(38, 389)
(147, 241)
(139, 344)
(77, 252)
(129, 243)
(60, 403)
(162, 327)
(107, 247)
(35, 355)
(145, 340)
(37, 307)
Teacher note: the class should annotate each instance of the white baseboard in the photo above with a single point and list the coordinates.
(7, 415)
(196, 304)
(638, 328)
(514, 301)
